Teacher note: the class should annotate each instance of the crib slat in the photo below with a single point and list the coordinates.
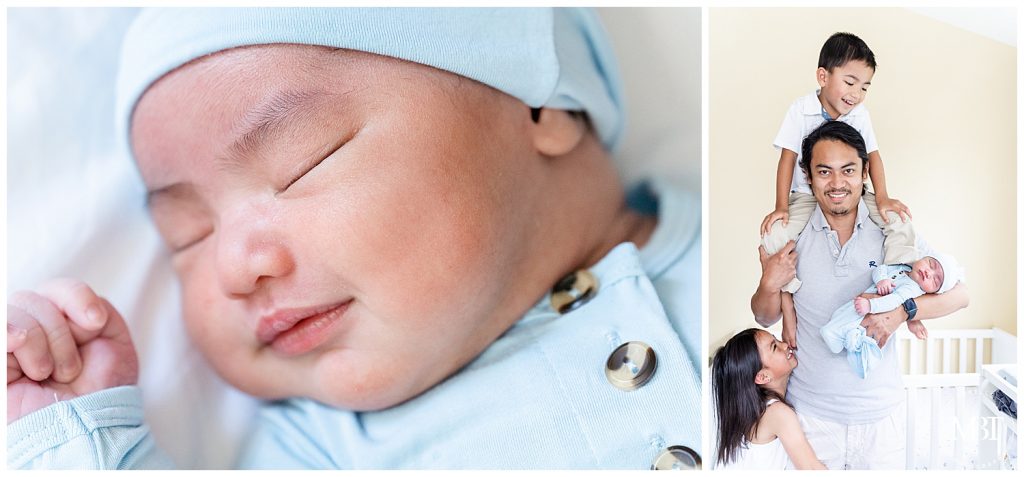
(933, 444)
(914, 358)
(979, 353)
(929, 364)
(963, 354)
(911, 428)
(947, 350)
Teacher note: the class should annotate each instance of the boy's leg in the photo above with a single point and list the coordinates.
(788, 320)
(899, 244)
(800, 207)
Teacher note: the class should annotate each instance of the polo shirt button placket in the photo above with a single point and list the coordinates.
(631, 365)
(573, 290)
(677, 458)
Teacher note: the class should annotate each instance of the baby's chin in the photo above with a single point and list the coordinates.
(337, 379)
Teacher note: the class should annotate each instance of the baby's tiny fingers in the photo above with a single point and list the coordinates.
(63, 350)
(33, 356)
(15, 337)
(13, 369)
(76, 300)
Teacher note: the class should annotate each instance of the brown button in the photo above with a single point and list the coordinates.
(677, 458)
(631, 365)
(574, 290)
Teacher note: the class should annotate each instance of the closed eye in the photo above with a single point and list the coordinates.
(182, 248)
(330, 150)
(306, 171)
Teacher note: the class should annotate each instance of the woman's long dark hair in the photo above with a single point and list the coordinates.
(739, 401)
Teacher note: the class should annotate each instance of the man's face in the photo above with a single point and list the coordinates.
(844, 87)
(837, 176)
(345, 226)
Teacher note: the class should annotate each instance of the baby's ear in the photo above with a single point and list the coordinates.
(556, 132)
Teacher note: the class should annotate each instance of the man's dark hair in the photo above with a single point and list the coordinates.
(833, 131)
(841, 48)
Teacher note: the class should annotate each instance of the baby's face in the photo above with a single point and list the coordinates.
(927, 273)
(345, 226)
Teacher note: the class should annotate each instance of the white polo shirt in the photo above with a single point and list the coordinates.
(804, 116)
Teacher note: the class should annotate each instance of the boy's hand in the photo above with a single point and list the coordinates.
(918, 329)
(862, 305)
(777, 214)
(886, 205)
(64, 341)
(884, 286)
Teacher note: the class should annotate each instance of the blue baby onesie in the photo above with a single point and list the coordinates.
(843, 330)
(538, 397)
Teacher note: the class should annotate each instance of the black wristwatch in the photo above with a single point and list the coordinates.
(911, 308)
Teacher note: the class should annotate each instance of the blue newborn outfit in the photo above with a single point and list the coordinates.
(560, 388)
(844, 331)
(538, 397)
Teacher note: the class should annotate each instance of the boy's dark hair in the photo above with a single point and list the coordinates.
(832, 131)
(841, 48)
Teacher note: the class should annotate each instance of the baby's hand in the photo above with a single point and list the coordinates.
(884, 286)
(64, 341)
(918, 329)
(886, 205)
(862, 305)
(777, 214)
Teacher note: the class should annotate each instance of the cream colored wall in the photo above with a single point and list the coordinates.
(943, 103)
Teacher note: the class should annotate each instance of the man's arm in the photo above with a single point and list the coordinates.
(882, 325)
(776, 271)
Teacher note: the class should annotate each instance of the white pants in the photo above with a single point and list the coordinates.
(879, 445)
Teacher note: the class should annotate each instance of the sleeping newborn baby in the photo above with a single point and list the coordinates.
(401, 228)
(897, 285)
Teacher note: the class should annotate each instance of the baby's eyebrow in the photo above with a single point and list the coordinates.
(283, 110)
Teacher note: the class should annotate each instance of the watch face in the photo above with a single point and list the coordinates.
(911, 307)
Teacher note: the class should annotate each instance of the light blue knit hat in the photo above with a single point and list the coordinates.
(553, 57)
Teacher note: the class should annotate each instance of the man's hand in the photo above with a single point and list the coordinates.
(882, 325)
(64, 341)
(885, 286)
(777, 270)
(777, 214)
(886, 205)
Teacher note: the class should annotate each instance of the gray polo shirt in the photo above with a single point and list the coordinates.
(824, 385)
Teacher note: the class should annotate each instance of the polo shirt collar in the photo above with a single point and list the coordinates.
(818, 222)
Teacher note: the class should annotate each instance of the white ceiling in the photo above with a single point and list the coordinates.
(999, 24)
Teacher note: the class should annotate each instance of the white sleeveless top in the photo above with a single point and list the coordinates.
(768, 456)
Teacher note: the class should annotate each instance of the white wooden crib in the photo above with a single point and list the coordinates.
(947, 426)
